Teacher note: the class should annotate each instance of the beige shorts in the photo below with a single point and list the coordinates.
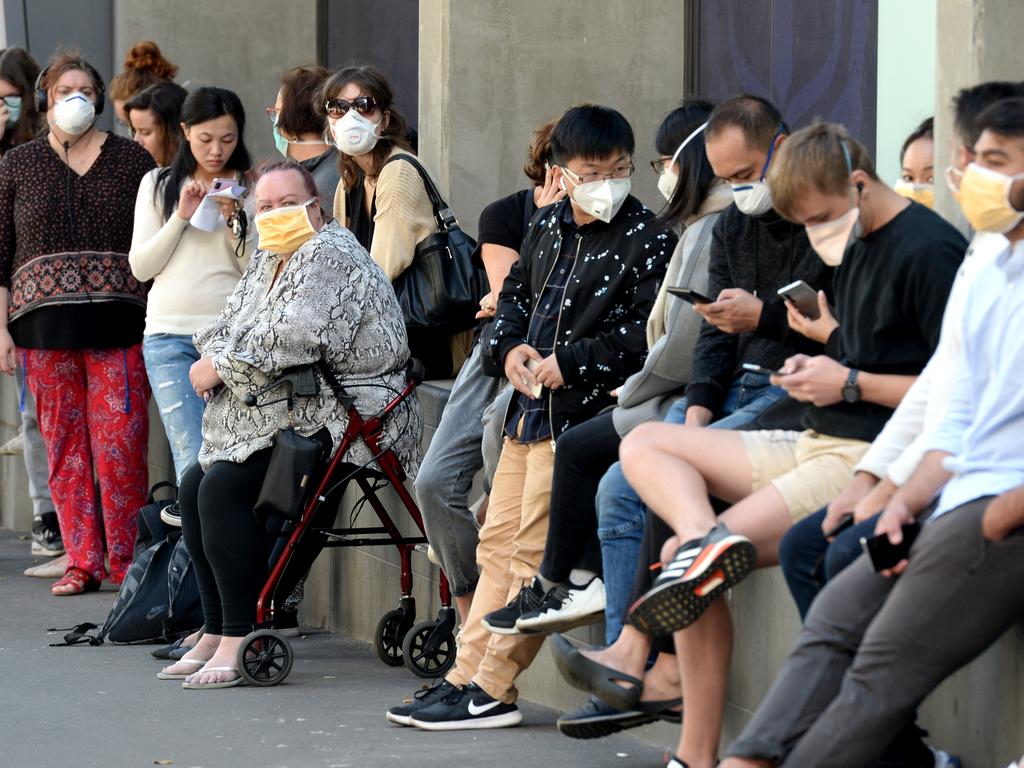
(809, 469)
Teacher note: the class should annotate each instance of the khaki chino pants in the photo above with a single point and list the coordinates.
(509, 554)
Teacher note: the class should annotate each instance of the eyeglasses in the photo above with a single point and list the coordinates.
(364, 105)
(272, 113)
(658, 166)
(622, 172)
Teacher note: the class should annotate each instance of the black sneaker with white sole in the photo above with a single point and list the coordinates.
(503, 621)
(565, 606)
(46, 539)
(423, 698)
(698, 573)
(467, 708)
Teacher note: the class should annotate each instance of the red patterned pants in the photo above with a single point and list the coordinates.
(93, 414)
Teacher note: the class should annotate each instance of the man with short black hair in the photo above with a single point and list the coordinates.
(874, 645)
(570, 327)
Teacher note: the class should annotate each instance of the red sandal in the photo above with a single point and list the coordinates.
(74, 582)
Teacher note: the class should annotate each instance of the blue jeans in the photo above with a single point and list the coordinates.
(809, 560)
(168, 358)
(621, 513)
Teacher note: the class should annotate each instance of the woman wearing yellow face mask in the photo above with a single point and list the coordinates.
(310, 293)
(917, 161)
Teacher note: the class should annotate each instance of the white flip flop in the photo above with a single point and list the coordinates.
(223, 684)
(179, 675)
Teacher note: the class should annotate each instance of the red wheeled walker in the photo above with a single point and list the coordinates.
(427, 648)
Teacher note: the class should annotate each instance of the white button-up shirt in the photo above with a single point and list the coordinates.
(984, 425)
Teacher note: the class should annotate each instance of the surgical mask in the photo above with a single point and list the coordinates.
(919, 193)
(354, 134)
(985, 199)
(669, 180)
(753, 197)
(13, 109)
(74, 114)
(601, 199)
(283, 230)
(282, 142)
(830, 239)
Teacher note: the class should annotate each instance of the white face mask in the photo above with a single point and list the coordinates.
(753, 197)
(601, 199)
(354, 134)
(74, 114)
(669, 180)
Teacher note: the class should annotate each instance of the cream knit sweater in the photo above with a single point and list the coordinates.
(193, 271)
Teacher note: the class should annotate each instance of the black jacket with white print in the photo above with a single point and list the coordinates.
(602, 324)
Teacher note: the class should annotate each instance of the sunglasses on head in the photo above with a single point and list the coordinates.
(364, 105)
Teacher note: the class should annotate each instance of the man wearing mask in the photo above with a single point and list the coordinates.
(895, 263)
(874, 647)
(570, 327)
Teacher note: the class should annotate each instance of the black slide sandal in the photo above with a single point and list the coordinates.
(587, 675)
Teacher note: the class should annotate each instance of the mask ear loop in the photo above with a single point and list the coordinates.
(685, 142)
(771, 151)
(849, 170)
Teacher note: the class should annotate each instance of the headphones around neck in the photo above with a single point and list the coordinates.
(43, 100)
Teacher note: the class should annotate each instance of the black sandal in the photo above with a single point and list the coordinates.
(587, 675)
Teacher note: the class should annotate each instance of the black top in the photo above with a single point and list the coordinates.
(759, 254)
(360, 223)
(504, 222)
(890, 293)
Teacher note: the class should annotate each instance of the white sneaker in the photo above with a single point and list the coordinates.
(432, 556)
(14, 446)
(565, 606)
(944, 759)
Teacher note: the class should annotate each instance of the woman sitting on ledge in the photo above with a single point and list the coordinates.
(310, 292)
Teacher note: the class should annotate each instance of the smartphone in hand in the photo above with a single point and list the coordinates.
(804, 298)
(883, 553)
(688, 294)
(755, 368)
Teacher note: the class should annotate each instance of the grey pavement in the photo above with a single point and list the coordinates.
(103, 706)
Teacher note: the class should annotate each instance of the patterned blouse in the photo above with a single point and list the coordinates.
(329, 301)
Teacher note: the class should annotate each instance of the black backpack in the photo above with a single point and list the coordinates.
(159, 598)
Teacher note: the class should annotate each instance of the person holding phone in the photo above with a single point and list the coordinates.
(895, 262)
(873, 648)
(192, 271)
(69, 302)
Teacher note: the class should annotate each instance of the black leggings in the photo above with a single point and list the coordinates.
(229, 548)
(582, 455)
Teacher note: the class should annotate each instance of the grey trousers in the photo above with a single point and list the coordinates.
(873, 648)
(37, 465)
(456, 453)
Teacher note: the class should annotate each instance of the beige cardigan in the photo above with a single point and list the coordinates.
(404, 217)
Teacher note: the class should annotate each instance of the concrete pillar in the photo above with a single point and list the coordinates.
(492, 70)
(242, 46)
(976, 40)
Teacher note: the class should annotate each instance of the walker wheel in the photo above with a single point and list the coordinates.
(265, 658)
(429, 649)
(387, 639)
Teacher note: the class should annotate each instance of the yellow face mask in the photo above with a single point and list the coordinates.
(985, 199)
(283, 230)
(919, 193)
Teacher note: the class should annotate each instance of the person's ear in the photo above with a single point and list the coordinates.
(964, 156)
(860, 179)
(385, 120)
(561, 177)
(778, 141)
(185, 131)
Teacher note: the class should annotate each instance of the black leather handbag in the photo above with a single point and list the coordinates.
(441, 290)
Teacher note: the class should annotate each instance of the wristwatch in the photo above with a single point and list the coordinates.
(851, 389)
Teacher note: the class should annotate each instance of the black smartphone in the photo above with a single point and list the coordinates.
(755, 368)
(883, 553)
(804, 298)
(688, 294)
(846, 521)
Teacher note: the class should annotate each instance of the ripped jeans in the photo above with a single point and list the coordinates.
(168, 359)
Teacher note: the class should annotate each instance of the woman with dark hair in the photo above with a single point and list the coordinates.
(917, 165)
(386, 208)
(20, 120)
(461, 445)
(144, 65)
(300, 129)
(193, 271)
(154, 116)
(70, 303)
(311, 293)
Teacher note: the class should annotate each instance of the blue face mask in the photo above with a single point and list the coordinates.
(13, 109)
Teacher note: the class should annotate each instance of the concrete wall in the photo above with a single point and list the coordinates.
(242, 46)
(906, 77)
(978, 40)
(492, 70)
